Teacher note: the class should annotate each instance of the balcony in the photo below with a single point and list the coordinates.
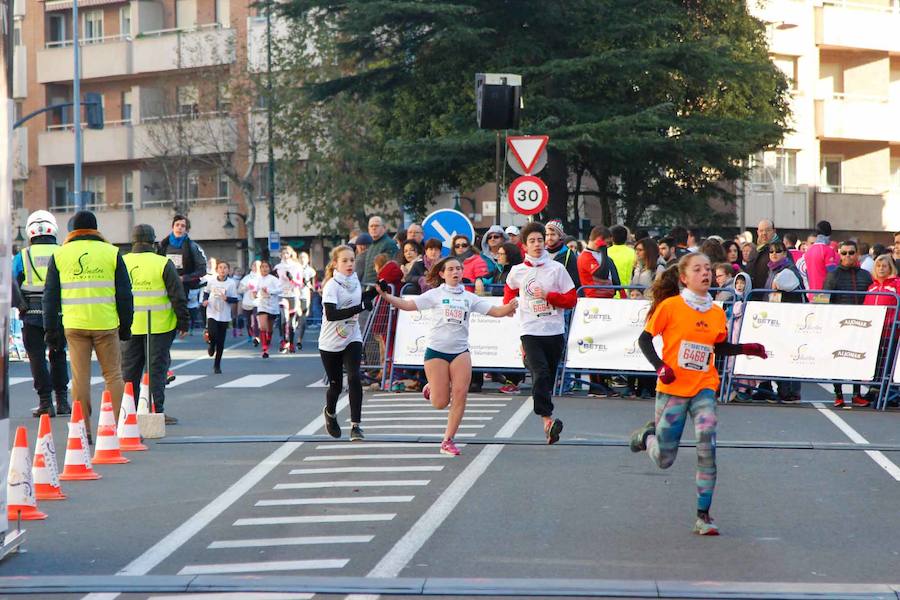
(122, 140)
(857, 25)
(863, 211)
(788, 206)
(861, 118)
(149, 52)
(20, 72)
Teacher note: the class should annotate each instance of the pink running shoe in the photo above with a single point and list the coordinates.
(426, 391)
(449, 448)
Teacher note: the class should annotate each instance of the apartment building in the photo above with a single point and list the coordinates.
(841, 162)
(149, 61)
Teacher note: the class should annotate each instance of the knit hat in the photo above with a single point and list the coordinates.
(823, 228)
(364, 239)
(143, 234)
(556, 225)
(84, 219)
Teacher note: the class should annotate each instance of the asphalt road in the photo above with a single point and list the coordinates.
(805, 503)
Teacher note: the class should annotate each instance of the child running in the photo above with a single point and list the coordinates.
(267, 296)
(544, 289)
(246, 288)
(693, 330)
(340, 341)
(218, 296)
(448, 364)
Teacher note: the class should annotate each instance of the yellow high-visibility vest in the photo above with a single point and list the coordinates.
(34, 263)
(150, 296)
(87, 278)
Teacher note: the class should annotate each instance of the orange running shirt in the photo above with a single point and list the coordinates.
(688, 339)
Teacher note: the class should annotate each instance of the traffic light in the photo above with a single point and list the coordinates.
(93, 102)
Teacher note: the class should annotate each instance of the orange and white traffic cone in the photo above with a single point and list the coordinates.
(143, 407)
(19, 488)
(45, 471)
(78, 458)
(128, 431)
(106, 450)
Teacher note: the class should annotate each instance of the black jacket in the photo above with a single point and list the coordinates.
(193, 266)
(569, 259)
(852, 279)
(52, 302)
(174, 289)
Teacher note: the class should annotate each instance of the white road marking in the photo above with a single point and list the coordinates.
(313, 485)
(184, 379)
(235, 596)
(427, 405)
(346, 500)
(422, 412)
(259, 567)
(880, 459)
(438, 418)
(95, 379)
(316, 458)
(314, 519)
(398, 469)
(373, 445)
(254, 381)
(18, 380)
(418, 396)
(307, 540)
(368, 427)
(205, 356)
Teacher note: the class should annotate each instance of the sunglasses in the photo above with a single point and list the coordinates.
(848, 253)
(460, 245)
(776, 251)
(494, 236)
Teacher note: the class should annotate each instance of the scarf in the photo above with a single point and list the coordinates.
(777, 264)
(453, 290)
(348, 282)
(176, 242)
(556, 249)
(697, 302)
(775, 239)
(823, 239)
(541, 260)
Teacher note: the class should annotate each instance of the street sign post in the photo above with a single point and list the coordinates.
(529, 152)
(445, 223)
(274, 242)
(528, 195)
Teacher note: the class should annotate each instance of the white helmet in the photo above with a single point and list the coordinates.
(41, 222)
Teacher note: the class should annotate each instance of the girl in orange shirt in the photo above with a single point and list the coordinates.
(693, 330)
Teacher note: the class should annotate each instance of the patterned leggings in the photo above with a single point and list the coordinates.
(671, 414)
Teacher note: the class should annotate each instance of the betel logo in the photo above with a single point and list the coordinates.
(762, 319)
(800, 357)
(856, 323)
(849, 354)
(809, 325)
(586, 344)
(593, 314)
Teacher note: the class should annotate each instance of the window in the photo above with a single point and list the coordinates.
(224, 188)
(126, 106)
(223, 100)
(262, 181)
(187, 101)
(788, 66)
(185, 14)
(57, 29)
(127, 189)
(786, 166)
(93, 25)
(125, 21)
(20, 109)
(96, 184)
(60, 195)
(188, 185)
(830, 176)
(223, 13)
(17, 33)
(18, 194)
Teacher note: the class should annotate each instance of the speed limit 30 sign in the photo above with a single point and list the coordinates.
(528, 195)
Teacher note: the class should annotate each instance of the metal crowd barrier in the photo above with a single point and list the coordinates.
(378, 340)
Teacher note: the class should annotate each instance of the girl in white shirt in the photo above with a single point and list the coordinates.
(290, 276)
(219, 294)
(448, 365)
(544, 289)
(267, 297)
(246, 288)
(340, 341)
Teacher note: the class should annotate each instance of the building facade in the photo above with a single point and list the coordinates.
(841, 162)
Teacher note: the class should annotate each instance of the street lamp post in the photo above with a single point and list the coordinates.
(269, 103)
(76, 106)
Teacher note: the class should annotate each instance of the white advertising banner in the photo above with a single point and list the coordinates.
(896, 366)
(824, 341)
(604, 332)
(493, 342)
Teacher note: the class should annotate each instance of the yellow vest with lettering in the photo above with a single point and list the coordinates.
(150, 296)
(34, 263)
(87, 278)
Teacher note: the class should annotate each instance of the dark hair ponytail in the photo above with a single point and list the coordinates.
(664, 286)
(433, 278)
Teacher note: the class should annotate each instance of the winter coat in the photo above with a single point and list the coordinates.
(847, 279)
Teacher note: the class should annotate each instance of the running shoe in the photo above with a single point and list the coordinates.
(170, 420)
(860, 402)
(838, 401)
(704, 526)
(170, 376)
(356, 434)
(256, 342)
(638, 441)
(398, 387)
(265, 354)
(217, 370)
(552, 430)
(294, 348)
(426, 391)
(206, 335)
(449, 448)
(331, 424)
(509, 389)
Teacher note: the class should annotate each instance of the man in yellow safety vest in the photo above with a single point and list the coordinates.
(160, 305)
(88, 284)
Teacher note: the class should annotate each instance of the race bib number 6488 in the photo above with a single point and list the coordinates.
(694, 357)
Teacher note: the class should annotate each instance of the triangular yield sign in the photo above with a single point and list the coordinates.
(527, 149)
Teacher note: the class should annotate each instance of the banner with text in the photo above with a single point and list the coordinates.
(815, 341)
(493, 342)
(603, 335)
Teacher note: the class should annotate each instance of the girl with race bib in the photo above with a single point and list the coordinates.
(340, 341)
(267, 297)
(448, 365)
(544, 289)
(693, 331)
(219, 294)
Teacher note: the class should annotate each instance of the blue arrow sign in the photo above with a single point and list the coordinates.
(445, 223)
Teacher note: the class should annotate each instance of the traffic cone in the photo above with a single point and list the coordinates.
(45, 471)
(78, 458)
(19, 489)
(144, 396)
(106, 450)
(128, 431)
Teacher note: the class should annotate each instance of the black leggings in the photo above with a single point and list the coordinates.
(542, 356)
(218, 332)
(336, 364)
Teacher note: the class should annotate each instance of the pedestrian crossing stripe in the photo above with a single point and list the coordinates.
(254, 381)
(181, 379)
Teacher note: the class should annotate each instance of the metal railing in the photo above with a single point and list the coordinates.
(155, 203)
(178, 30)
(106, 124)
(89, 41)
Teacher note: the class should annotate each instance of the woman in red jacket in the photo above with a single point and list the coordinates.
(884, 279)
